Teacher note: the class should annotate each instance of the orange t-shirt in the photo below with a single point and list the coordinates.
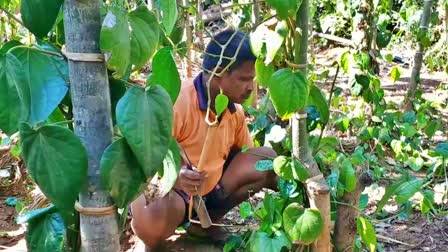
(190, 130)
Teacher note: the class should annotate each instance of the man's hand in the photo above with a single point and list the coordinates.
(190, 181)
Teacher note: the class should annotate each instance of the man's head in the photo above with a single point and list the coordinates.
(237, 81)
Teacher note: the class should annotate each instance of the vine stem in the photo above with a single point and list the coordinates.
(345, 204)
(49, 52)
(12, 16)
(63, 122)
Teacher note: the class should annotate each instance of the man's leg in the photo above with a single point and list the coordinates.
(157, 221)
(241, 179)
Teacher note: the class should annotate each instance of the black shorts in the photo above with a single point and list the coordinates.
(214, 199)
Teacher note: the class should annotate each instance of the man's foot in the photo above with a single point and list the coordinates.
(217, 234)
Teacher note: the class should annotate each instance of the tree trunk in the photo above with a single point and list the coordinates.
(446, 22)
(418, 59)
(364, 33)
(189, 55)
(93, 124)
(317, 188)
(256, 12)
(199, 26)
(345, 227)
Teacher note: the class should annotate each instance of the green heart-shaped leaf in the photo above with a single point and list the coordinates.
(367, 233)
(41, 81)
(144, 36)
(303, 225)
(263, 242)
(395, 73)
(121, 174)
(169, 14)
(317, 98)
(39, 16)
(263, 72)
(171, 167)
(285, 8)
(115, 39)
(164, 72)
(282, 167)
(288, 91)
(145, 119)
(299, 171)
(130, 38)
(442, 150)
(406, 190)
(46, 233)
(9, 99)
(347, 176)
(221, 103)
(56, 161)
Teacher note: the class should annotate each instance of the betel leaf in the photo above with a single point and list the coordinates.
(367, 233)
(427, 203)
(317, 98)
(117, 89)
(409, 117)
(261, 241)
(34, 214)
(164, 72)
(347, 176)
(168, 10)
(442, 149)
(265, 42)
(171, 167)
(406, 190)
(408, 130)
(136, 42)
(9, 45)
(395, 73)
(345, 61)
(144, 36)
(221, 103)
(288, 91)
(299, 171)
(46, 233)
(121, 174)
(287, 188)
(274, 40)
(432, 127)
(115, 39)
(390, 190)
(383, 38)
(263, 72)
(40, 79)
(145, 117)
(282, 167)
(416, 163)
(246, 210)
(9, 99)
(56, 161)
(285, 8)
(264, 165)
(39, 16)
(302, 225)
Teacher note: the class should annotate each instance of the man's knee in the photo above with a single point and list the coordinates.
(158, 220)
(269, 178)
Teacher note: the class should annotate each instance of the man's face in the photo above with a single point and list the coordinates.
(239, 83)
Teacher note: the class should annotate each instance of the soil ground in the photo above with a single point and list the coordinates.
(415, 233)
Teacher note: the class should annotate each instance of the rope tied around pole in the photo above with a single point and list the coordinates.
(83, 57)
(95, 211)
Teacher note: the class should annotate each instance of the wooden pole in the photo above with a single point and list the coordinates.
(89, 89)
